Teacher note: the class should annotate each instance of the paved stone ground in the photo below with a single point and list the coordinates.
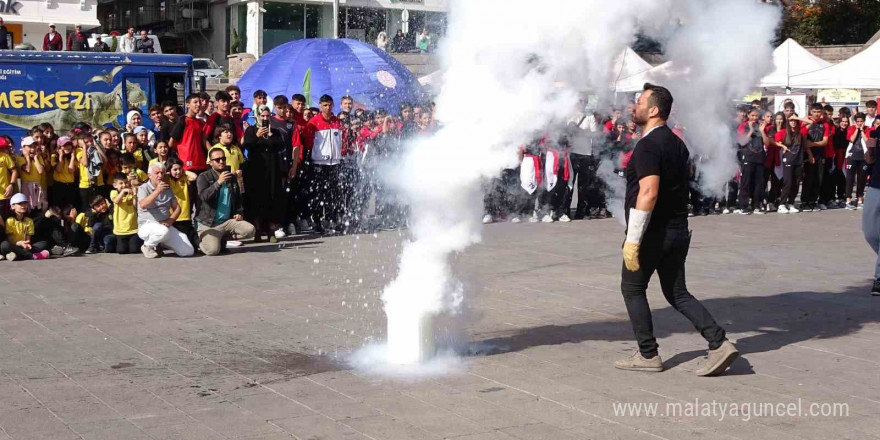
(253, 345)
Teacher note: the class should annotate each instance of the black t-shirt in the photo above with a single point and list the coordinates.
(660, 153)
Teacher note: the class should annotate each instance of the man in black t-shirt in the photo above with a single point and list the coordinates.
(658, 238)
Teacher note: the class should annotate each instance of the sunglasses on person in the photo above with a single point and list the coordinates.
(219, 159)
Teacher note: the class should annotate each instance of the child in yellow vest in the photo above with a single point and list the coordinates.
(8, 175)
(33, 168)
(19, 230)
(125, 223)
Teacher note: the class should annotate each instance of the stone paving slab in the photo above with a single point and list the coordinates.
(254, 345)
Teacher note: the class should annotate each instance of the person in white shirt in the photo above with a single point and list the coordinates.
(870, 113)
(126, 43)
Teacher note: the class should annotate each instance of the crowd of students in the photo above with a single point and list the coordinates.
(821, 157)
(202, 179)
(205, 178)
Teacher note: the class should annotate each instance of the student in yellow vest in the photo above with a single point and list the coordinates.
(32, 167)
(64, 166)
(179, 183)
(8, 175)
(124, 216)
(88, 185)
(19, 230)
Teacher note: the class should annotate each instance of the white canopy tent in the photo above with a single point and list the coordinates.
(629, 63)
(635, 83)
(861, 71)
(790, 59)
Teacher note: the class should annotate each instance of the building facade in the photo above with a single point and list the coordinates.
(28, 20)
(258, 26)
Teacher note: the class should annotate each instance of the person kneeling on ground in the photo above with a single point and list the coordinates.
(220, 213)
(157, 211)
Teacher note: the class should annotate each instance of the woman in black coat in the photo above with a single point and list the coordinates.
(264, 176)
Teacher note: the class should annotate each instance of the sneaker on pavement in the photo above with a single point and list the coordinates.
(515, 219)
(792, 209)
(726, 211)
(534, 218)
(234, 243)
(291, 229)
(547, 219)
(823, 207)
(782, 209)
(564, 218)
(42, 255)
(487, 219)
(637, 362)
(69, 251)
(860, 205)
(56, 251)
(718, 360)
(875, 290)
(11, 256)
(91, 250)
(771, 207)
(2, 257)
(759, 211)
(279, 233)
(850, 206)
(149, 251)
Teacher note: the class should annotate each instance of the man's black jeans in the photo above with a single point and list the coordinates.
(664, 252)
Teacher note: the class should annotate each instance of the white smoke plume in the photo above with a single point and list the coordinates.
(513, 69)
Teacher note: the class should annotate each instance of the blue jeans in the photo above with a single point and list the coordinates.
(871, 224)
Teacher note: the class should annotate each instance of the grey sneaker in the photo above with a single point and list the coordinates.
(637, 362)
(149, 251)
(11, 256)
(718, 360)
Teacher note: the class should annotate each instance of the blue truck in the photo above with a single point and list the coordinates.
(63, 88)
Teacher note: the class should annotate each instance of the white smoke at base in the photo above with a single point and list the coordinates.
(615, 192)
(512, 69)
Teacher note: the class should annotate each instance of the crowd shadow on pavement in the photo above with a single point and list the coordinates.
(779, 320)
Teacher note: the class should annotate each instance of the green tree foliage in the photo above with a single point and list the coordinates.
(819, 22)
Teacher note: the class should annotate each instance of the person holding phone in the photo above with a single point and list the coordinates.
(221, 213)
(264, 174)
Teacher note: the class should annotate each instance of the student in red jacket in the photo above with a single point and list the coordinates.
(323, 138)
(818, 134)
(856, 166)
(188, 138)
(773, 124)
(52, 40)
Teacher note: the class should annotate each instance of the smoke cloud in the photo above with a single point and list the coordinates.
(513, 69)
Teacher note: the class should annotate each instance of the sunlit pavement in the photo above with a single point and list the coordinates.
(255, 344)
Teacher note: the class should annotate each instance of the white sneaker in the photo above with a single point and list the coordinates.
(515, 219)
(2, 257)
(234, 243)
(782, 209)
(547, 219)
(149, 251)
(11, 256)
(279, 233)
(487, 219)
(534, 218)
(726, 211)
(792, 209)
(564, 218)
(771, 207)
(860, 205)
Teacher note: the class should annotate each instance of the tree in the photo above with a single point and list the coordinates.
(817, 22)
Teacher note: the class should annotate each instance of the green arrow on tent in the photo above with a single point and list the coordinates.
(307, 87)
